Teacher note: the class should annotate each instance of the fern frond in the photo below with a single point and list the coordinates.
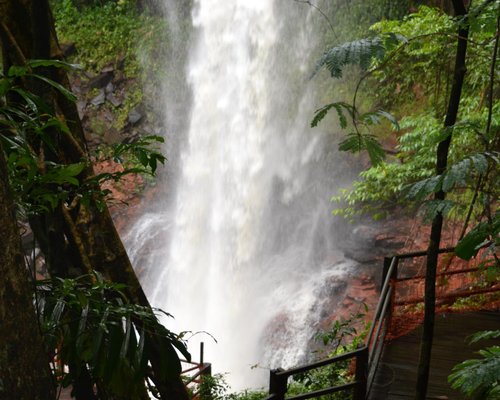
(360, 52)
(356, 142)
(340, 107)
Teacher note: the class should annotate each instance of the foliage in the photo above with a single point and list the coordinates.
(107, 32)
(342, 337)
(114, 33)
(213, 387)
(484, 234)
(91, 324)
(40, 184)
(363, 52)
(479, 378)
(427, 54)
(342, 29)
(399, 81)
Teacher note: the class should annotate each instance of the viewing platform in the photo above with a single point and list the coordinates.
(397, 370)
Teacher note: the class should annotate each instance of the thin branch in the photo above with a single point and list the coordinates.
(78, 242)
(308, 2)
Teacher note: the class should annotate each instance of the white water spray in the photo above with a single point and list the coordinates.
(244, 250)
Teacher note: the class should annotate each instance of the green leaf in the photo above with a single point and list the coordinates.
(477, 237)
(431, 208)
(65, 92)
(5, 85)
(339, 106)
(484, 335)
(57, 311)
(355, 143)
(140, 359)
(126, 339)
(54, 63)
(374, 149)
(477, 377)
(81, 329)
(390, 118)
(16, 71)
(425, 187)
(360, 52)
(28, 98)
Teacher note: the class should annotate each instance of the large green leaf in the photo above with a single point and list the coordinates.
(478, 236)
(478, 377)
(65, 92)
(54, 63)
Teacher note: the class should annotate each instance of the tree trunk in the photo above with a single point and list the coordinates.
(24, 364)
(437, 223)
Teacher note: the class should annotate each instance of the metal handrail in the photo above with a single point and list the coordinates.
(203, 370)
(383, 294)
(304, 368)
(372, 350)
(279, 377)
(322, 392)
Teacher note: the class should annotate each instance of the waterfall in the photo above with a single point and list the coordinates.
(243, 245)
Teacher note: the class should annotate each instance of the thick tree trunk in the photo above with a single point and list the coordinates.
(83, 235)
(24, 364)
(437, 223)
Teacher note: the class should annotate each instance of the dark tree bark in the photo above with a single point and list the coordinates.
(80, 237)
(24, 364)
(437, 223)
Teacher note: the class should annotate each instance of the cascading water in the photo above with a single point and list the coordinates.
(244, 248)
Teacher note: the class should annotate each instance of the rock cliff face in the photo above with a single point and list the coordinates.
(112, 111)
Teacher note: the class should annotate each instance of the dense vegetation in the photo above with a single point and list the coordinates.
(458, 176)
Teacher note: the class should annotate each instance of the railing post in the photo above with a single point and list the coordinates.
(206, 369)
(385, 271)
(277, 384)
(203, 393)
(202, 345)
(361, 374)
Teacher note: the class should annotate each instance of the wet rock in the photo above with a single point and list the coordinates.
(355, 299)
(360, 255)
(112, 136)
(99, 99)
(81, 105)
(364, 235)
(389, 241)
(110, 88)
(113, 100)
(68, 49)
(134, 116)
(101, 80)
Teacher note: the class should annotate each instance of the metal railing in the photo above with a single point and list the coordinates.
(193, 375)
(278, 381)
(366, 357)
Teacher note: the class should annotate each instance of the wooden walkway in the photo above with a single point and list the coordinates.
(396, 375)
